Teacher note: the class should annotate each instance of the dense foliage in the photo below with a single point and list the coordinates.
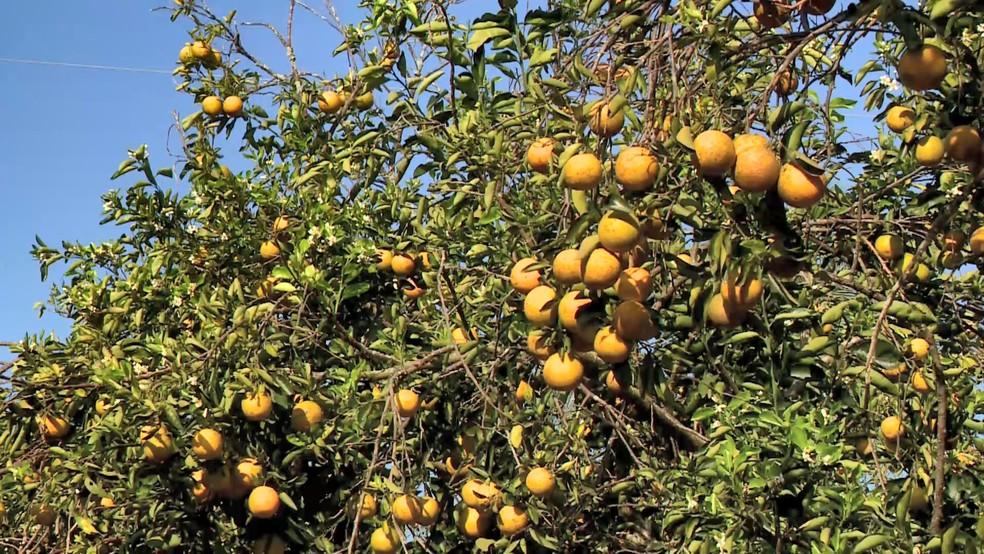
(446, 269)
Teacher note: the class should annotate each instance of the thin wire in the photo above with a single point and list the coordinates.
(85, 66)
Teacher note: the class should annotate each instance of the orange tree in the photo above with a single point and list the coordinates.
(617, 276)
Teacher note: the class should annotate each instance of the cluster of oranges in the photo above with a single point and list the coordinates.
(404, 265)
(231, 106)
(199, 53)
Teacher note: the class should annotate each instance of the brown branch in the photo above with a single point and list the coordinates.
(939, 478)
(667, 418)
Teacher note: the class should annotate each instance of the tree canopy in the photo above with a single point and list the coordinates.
(615, 276)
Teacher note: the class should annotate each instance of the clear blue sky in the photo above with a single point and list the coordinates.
(67, 128)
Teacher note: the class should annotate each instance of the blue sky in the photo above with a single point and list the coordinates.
(67, 128)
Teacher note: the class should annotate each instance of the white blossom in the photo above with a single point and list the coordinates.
(889, 82)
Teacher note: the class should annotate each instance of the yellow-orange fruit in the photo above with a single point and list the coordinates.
(522, 278)
(570, 307)
(263, 502)
(54, 427)
(610, 347)
(330, 101)
(748, 141)
(757, 169)
(919, 383)
(601, 269)
(540, 481)
(523, 391)
(232, 106)
(891, 428)
(929, 151)
(636, 168)
(798, 188)
(201, 49)
(922, 68)
(612, 384)
(582, 171)
(899, 118)
(715, 153)
(479, 494)
(963, 143)
(538, 345)
(540, 154)
(157, 443)
(407, 403)
(385, 540)
(403, 265)
(725, 314)
(473, 523)
(460, 336)
(618, 231)
(567, 266)
(256, 406)
(430, 510)
(770, 14)
(306, 415)
(745, 294)
(977, 241)
(269, 250)
(603, 121)
(512, 520)
(563, 372)
(212, 105)
(632, 322)
(919, 348)
(540, 306)
(413, 291)
(406, 509)
(385, 259)
(634, 284)
(889, 247)
(248, 474)
(207, 444)
(199, 490)
(185, 55)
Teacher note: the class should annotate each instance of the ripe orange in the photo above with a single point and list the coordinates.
(107, 502)
(523, 391)
(256, 406)
(634, 284)
(269, 250)
(385, 259)
(977, 241)
(540, 306)
(269, 544)
(512, 520)
(770, 14)
(715, 153)
(385, 540)
(157, 443)
(478, 494)
(305, 416)
(473, 523)
(570, 307)
(582, 171)
(757, 169)
(922, 68)
(603, 121)
(919, 348)
(247, 474)
(185, 55)
(103, 406)
(889, 247)
(567, 266)
(636, 168)
(799, 188)
(725, 314)
(748, 141)
(632, 322)
(745, 294)
(540, 154)
(280, 224)
(899, 118)
(562, 372)
(403, 265)
(929, 151)
(406, 509)
(963, 143)
(540, 481)
(612, 384)
(538, 345)
(207, 444)
(919, 383)
(330, 101)
(891, 428)
(263, 502)
(522, 278)
(199, 490)
(618, 231)
(407, 403)
(201, 50)
(601, 269)
(232, 106)
(369, 506)
(430, 510)
(610, 347)
(460, 336)
(212, 105)
(54, 427)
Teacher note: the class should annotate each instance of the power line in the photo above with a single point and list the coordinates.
(85, 66)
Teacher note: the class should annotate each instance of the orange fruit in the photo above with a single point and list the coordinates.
(715, 153)
(863, 446)
(610, 347)
(201, 50)
(632, 322)
(103, 406)
(891, 428)
(403, 265)
(199, 490)
(212, 105)
(306, 415)
(540, 481)
(232, 106)
(748, 141)
(385, 259)
(634, 284)
(540, 306)
(963, 143)
(413, 291)
(157, 443)
(538, 345)
(618, 231)
(582, 171)
(977, 241)
(406, 509)
(757, 169)
(725, 314)
(922, 68)
(473, 523)
(512, 520)
(562, 372)
(601, 269)
(636, 168)
(522, 278)
(479, 494)
(745, 294)
(269, 250)
(369, 507)
(919, 383)
(263, 502)
(603, 122)
(256, 406)
(269, 544)
(330, 101)
(540, 154)
(889, 247)
(385, 540)
(919, 348)
(929, 151)
(523, 391)
(107, 502)
(430, 510)
(407, 403)
(572, 305)
(186, 56)
(612, 383)
(54, 427)
(207, 444)
(799, 188)
(247, 474)
(280, 224)
(460, 336)
(567, 266)
(770, 14)
(899, 118)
